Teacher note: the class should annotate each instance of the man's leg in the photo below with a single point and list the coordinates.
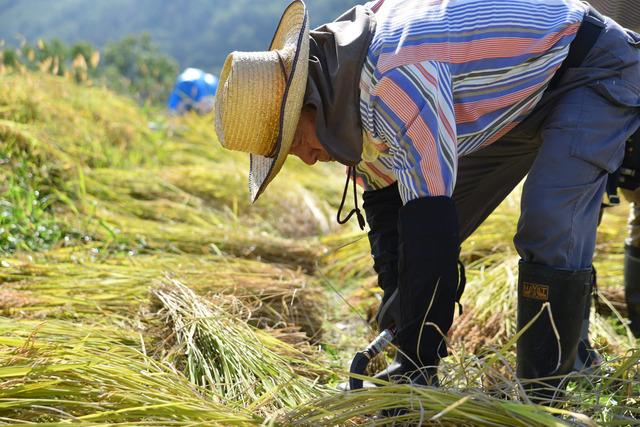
(487, 176)
(583, 140)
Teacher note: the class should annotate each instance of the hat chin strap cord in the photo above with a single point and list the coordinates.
(361, 222)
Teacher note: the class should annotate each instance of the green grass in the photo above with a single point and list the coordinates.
(25, 223)
(139, 286)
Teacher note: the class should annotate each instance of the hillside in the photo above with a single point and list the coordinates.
(197, 33)
(138, 286)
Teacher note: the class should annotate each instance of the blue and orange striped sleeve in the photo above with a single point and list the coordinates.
(414, 115)
(375, 175)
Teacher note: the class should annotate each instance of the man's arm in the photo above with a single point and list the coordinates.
(414, 115)
(381, 207)
(413, 107)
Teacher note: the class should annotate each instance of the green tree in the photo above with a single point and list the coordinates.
(82, 48)
(137, 66)
(54, 48)
(198, 33)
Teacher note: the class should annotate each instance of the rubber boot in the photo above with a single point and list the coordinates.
(587, 357)
(632, 287)
(540, 354)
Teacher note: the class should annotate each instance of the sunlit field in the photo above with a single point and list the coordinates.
(139, 287)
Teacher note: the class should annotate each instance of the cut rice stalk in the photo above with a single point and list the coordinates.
(53, 285)
(60, 372)
(222, 353)
(424, 406)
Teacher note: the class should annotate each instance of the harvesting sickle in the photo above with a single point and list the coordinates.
(361, 360)
(438, 122)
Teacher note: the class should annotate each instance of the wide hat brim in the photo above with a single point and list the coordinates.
(263, 169)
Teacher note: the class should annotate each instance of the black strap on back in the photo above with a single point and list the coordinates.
(586, 37)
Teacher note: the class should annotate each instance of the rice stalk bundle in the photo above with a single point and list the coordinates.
(483, 391)
(120, 231)
(141, 210)
(208, 196)
(240, 365)
(424, 406)
(63, 372)
(289, 210)
(54, 285)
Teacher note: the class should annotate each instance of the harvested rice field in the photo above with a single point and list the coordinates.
(139, 287)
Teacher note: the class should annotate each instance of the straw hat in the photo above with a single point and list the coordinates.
(259, 98)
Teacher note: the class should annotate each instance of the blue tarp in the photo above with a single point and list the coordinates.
(194, 89)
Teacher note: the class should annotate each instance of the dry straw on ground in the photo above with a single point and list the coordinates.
(117, 287)
(244, 367)
(57, 372)
(241, 293)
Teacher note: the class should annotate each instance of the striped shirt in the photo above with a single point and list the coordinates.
(444, 78)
